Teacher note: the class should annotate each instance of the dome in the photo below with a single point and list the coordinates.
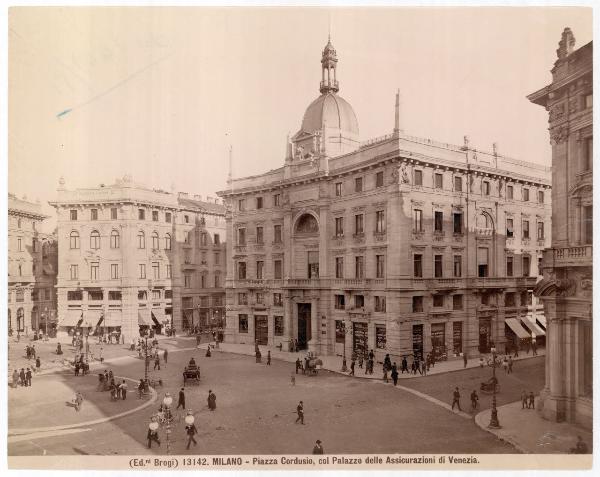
(332, 111)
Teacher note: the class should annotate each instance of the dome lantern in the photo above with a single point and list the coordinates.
(329, 61)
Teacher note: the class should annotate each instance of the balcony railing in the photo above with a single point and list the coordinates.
(581, 255)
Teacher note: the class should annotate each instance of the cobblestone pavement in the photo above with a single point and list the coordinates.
(255, 413)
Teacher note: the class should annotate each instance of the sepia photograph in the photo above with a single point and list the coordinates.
(299, 237)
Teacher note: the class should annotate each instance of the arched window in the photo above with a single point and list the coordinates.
(95, 240)
(155, 244)
(141, 239)
(307, 224)
(168, 242)
(74, 240)
(115, 239)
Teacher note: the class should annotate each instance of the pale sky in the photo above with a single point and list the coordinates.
(161, 93)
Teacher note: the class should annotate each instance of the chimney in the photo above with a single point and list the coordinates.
(397, 129)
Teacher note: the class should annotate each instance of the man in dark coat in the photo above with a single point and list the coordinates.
(157, 362)
(165, 355)
(212, 400)
(191, 431)
(395, 374)
(28, 377)
(318, 448)
(456, 399)
(300, 411)
(22, 377)
(298, 364)
(404, 364)
(269, 358)
(152, 436)
(181, 400)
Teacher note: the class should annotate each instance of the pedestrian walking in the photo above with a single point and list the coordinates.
(101, 354)
(510, 364)
(516, 355)
(269, 358)
(123, 390)
(533, 347)
(318, 448)
(352, 364)
(165, 355)
(404, 365)
(474, 400)
(157, 363)
(76, 368)
(505, 365)
(528, 347)
(387, 362)
(15, 378)
(300, 412)
(298, 364)
(395, 374)
(456, 399)
(59, 349)
(464, 360)
(33, 354)
(181, 400)
(424, 367)
(524, 399)
(23, 378)
(152, 436)
(28, 377)
(360, 361)
(191, 431)
(530, 404)
(481, 361)
(385, 374)
(78, 401)
(212, 400)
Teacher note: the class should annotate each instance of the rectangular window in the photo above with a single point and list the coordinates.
(186, 236)
(340, 331)
(276, 200)
(142, 295)
(417, 220)
(114, 271)
(525, 195)
(588, 214)
(186, 219)
(242, 298)
(243, 323)
(359, 267)
(95, 295)
(359, 224)
(141, 214)
(339, 267)
(509, 228)
(75, 295)
(540, 266)
(589, 100)
(417, 304)
(418, 265)
(278, 325)
(259, 235)
(168, 271)
(486, 188)
(155, 271)
(217, 239)
(380, 266)
(242, 205)
(241, 270)
(509, 299)
(380, 337)
(437, 261)
(278, 269)
(526, 265)
(20, 244)
(142, 269)
(541, 196)
(526, 229)
(540, 230)
(438, 301)
(379, 304)
(358, 184)
(73, 214)
(458, 184)
(277, 234)
(439, 181)
(313, 264)
(380, 221)
(93, 214)
(113, 213)
(114, 295)
(259, 202)
(457, 302)
(338, 189)
(482, 262)
(379, 179)
(168, 217)
(509, 192)
(458, 266)
(203, 280)
(187, 280)
(359, 301)
(339, 226)
(418, 177)
(94, 271)
(155, 216)
(438, 221)
(509, 266)
(260, 298)
(74, 272)
(523, 298)
(241, 237)
(588, 154)
(168, 294)
(340, 302)
(277, 299)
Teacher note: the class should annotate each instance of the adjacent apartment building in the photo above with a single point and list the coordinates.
(133, 258)
(399, 244)
(566, 290)
(32, 269)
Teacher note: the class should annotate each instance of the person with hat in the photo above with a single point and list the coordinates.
(191, 431)
(300, 411)
(212, 400)
(318, 448)
(181, 400)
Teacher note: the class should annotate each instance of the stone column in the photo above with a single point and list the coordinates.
(287, 323)
(315, 329)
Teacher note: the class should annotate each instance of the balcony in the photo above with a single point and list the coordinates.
(501, 282)
(252, 283)
(357, 283)
(305, 283)
(569, 256)
(438, 283)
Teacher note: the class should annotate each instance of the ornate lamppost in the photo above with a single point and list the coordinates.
(167, 401)
(46, 323)
(346, 331)
(146, 358)
(494, 423)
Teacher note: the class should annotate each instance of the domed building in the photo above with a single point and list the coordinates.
(329, 126)
(351, 247)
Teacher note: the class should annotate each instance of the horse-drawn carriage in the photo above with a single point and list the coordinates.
(312, 365)
(191, 372)
(489, 386)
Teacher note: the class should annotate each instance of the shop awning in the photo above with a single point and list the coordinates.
(542, 320)
(159, 315)
(71, 318)
(91, 318)
(144, 317)
(112, 319)
(533, 326)
(518, 330)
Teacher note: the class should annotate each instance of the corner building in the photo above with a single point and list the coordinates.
(566, 290)
(134, 258)
(398, 244)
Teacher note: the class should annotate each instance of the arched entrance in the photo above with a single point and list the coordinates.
(20, 320)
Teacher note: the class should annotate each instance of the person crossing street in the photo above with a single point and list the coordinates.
(300, 412)
(456, 399)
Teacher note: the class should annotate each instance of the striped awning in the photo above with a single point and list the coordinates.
(71, 318)
(112, 318)
(144, 317)
(159, 315)
(542, 320)
(518, 330)
(533, 326)
(91, 318)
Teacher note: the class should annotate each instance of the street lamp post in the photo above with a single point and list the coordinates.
(494, 423)
(167, 401)
(46, 321)
(146, 359)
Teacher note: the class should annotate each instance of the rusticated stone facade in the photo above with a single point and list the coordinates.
(566, 290)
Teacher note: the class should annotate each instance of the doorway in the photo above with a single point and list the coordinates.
(485, 334)
(261, 330)
(360, 338)
(304, 331)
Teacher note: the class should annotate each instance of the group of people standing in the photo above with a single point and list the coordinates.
(22, 378)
